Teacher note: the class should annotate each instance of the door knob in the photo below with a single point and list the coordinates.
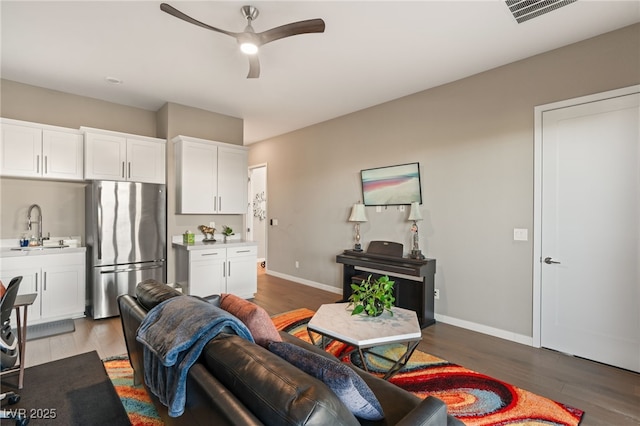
(549, 261)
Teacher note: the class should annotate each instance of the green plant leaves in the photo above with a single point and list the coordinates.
(372, 296)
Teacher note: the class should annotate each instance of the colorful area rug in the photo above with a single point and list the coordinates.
(474, 398)
(136, 402)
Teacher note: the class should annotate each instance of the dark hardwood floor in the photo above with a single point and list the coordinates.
(609, 396)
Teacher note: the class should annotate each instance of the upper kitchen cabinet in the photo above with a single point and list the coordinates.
(119, 156)
(211, 177)
(35, 150)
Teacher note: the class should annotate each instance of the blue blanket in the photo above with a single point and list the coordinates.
(173, 335)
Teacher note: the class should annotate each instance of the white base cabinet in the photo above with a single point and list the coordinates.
(35, 150)
(205, 272)
(57, 279)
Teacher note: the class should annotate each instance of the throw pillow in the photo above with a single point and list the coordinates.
(253, 316)
(342, 380)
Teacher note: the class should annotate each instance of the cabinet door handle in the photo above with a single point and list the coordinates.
(215, 203)
(123, 170)
(229, 268)
(36, 281)
(220, 203)
(243, 251)
(129, 169)
(44, 281)
(46, 164)
(209, 254)
(37, 164)
(224, 270)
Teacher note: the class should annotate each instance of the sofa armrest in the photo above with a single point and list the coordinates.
(430, 412)
(131, 315)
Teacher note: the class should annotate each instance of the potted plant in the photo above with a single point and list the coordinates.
(227, 232)
(372, 296)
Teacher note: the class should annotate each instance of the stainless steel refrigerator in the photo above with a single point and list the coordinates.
(126, 226)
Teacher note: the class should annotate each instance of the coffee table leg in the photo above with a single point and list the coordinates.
(402, 361)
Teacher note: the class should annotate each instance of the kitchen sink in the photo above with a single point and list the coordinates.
(37, 248)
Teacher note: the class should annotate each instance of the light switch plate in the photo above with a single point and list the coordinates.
(520, 234)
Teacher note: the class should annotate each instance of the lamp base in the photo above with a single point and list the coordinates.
(357, 247)
(416, 254)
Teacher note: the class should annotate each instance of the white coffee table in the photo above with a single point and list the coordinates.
(334, 321)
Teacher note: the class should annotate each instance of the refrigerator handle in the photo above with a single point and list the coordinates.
(132, 269)
(99, 236)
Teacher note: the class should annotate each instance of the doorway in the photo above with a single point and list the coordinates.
(257, 214)
(587, 228)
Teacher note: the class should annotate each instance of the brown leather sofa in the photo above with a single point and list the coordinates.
(269, 390)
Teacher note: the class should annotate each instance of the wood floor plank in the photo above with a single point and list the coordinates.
(610, 396)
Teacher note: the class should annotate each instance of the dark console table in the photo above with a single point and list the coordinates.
(415, 294)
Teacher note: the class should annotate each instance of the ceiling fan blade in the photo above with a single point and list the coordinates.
(295, 28)
(175, 12)
(254, 67)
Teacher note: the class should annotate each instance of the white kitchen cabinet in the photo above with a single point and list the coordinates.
(211, 177)
(208, 271)
(40, 151)
(123, 157)
(241, 273)
(58, 279)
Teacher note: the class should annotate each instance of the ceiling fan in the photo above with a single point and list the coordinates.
(249, 40)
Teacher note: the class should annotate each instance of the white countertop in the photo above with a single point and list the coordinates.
(39, 251)
(199, 245)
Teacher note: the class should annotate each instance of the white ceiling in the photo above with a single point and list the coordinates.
(370, 52)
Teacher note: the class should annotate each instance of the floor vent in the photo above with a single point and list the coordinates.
(523, 10)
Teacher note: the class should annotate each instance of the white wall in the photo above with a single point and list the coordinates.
(474, 141)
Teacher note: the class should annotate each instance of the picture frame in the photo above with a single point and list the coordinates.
(392, 185)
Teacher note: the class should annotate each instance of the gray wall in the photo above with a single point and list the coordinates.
(474, 141)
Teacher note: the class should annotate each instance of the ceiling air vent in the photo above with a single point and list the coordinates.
(523, 10)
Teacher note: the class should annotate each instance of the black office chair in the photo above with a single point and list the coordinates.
(9, 349)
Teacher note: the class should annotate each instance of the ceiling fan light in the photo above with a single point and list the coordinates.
(249, 48)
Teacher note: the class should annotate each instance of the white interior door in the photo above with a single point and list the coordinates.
(590, 233)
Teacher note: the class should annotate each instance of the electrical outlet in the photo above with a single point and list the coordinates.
(436, 293)
(297, 264)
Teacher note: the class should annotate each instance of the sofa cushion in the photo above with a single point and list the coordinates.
(275, 391)
(253, 316)
(151, 293)
(347, 385)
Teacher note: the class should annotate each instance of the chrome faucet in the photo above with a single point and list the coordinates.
(39, 221)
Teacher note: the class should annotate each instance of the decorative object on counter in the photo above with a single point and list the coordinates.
(259, 206)
(358, 215)
(226, 232)
(372, 297)
(414, 215)
(208, 233)
(188, 237)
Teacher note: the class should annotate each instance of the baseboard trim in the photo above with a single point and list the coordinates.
(309, 283)
(491, 331)
(480, 328)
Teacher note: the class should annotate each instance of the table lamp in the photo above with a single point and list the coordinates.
(414, 215)
(358, 215)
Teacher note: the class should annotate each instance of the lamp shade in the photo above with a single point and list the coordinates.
(414, 214)
(357, 213)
